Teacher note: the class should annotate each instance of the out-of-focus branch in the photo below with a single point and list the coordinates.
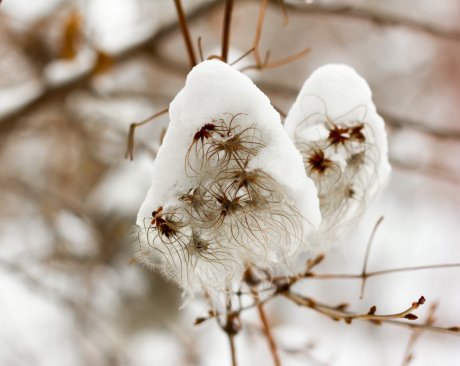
(10, 121)
(267, 330)
(409, 352)
(282, 286)
(132, 128)
(419, 126)
(375, 16)
(226, 29)
(185, 32)
(266, 64)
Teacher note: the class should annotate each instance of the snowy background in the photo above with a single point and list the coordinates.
(69, 292)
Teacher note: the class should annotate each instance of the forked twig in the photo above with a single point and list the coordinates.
(265, 64)
(130, 145)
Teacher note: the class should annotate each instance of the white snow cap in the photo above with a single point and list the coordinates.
(229, 187)
(343, 142)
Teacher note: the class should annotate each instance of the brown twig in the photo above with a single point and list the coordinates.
(284, 11)
(130, 145)
(247, 53)
(339, 312)
(352, 276)
(366, 256)
(185, 32)
(264, 65)
(231, 340)
(200, 49)
(226, 29)
(267, 330)
(231, 327)
(375, 16)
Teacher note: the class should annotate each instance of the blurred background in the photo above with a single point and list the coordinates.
(75, 74)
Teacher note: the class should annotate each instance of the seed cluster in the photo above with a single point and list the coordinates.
(342, 161)
(232, 216)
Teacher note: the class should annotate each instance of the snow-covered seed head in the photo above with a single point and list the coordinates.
(229, 186)
(342, 140)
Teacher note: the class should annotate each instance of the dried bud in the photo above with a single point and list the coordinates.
(342, 307)
(421, 301)
(315, 261)
(411, 316)
(252, 278)
(372, 310)
(233, 324)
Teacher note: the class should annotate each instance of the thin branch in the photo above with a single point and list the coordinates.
(366, 256)
(130, 145)
(264, 65)
(339, 312)
(375, 16)
(351, 276)
(231, 340)
(439, 133)
(247, 53)
(226, 29)
(284, 11)
(231, 327)
(257, 36)
(185, 32)
(200, 49)
(267, 330)
(398, 122)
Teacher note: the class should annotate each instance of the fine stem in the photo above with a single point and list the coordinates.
(226, 30)
(267, 330)
(185, 32)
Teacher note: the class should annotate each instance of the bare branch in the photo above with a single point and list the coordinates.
(267, 329)
(264, 65)
(185, 32)
(375, 16)
(366, 255)
(130, 145)
(226, 29)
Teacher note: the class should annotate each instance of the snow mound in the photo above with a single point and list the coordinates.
(229, 187)
(342, 139)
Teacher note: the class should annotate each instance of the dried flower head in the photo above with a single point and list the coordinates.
(229, 186)
(342, 140)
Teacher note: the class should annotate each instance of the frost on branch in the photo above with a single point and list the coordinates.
(229, 188)
(342, 139)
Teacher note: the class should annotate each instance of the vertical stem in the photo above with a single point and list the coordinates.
(267, 330)
(231, 340)
(231, 328)
(226, 30)
(185, 32)
(260, 22)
